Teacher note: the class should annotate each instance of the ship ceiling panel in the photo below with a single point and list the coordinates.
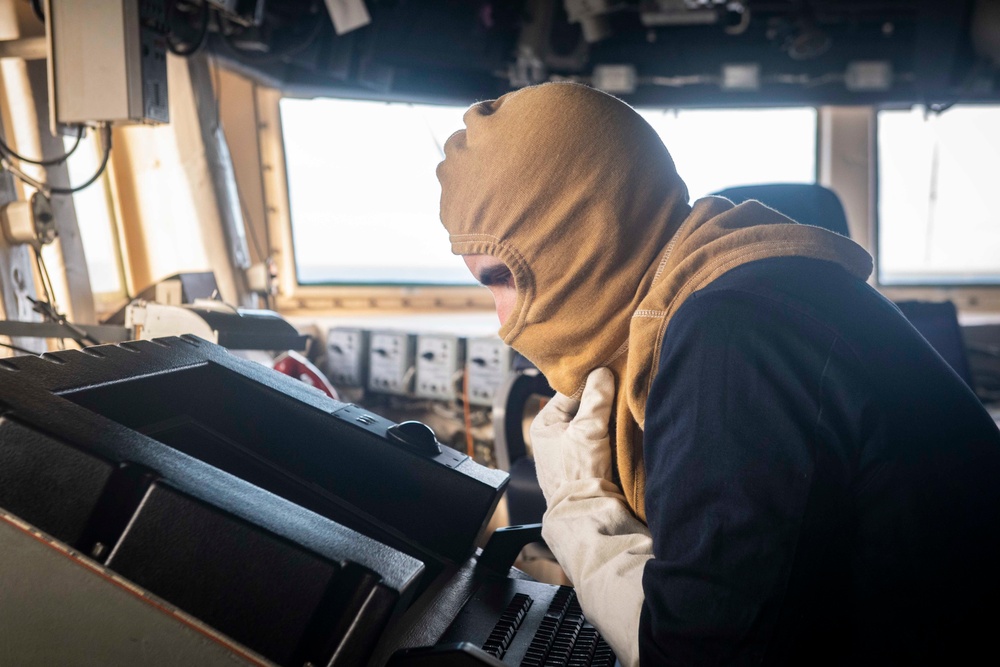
(463, 50)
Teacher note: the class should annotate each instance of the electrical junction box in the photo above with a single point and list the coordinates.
(488, 363)
(107, 61)
(347, 357)
(390, 362)
(440, 360)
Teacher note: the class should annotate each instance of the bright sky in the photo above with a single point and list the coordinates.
(364, 197)
(938, 176)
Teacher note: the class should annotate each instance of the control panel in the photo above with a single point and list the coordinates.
(440, 358)
(489, 361)
(347, 357)
(391, 362)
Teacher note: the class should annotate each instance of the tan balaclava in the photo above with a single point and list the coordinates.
(578, 196)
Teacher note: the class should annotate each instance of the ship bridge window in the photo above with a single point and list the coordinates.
(938, 223)
(715, 149)
(363, 192)
(364, 198)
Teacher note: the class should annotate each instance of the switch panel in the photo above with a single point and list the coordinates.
(489, 361)
(390, 362)
(440, 358)
(347, 357)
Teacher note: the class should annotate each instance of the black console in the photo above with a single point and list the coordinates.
(255, 510)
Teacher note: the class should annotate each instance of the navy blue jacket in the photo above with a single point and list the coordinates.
(821, 487)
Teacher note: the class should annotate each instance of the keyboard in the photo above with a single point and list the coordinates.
(530, 624)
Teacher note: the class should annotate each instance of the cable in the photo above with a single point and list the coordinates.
(44, 276)
(79, 335)
(45, 188)
(470, 444)
(18, 349)
(106, 133)
(36, 6)
(44, 163)
(49, 309)
(199, 42)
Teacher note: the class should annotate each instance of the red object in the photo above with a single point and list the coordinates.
(295, 365)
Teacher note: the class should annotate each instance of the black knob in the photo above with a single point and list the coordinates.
(415, 436)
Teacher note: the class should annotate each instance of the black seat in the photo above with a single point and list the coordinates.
(808, 203)
(813, 204)
(937, 321)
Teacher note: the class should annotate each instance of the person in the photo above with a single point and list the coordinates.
(752, 457)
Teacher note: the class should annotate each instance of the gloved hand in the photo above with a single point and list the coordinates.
(595, 537)
(569, 438)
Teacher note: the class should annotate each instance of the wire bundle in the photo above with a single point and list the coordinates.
(7, 154)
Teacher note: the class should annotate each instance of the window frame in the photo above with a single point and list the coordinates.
(292, 295)
(967, 290)
(846, 161)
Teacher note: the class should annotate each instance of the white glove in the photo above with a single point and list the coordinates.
(595, 537)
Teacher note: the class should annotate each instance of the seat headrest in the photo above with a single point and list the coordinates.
(808, 203)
